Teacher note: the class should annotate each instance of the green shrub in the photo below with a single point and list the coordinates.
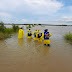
(1, 35)
(1, 24)
(4, 35)
(15, 28)
(8, 30)
(39, 24)
(32, 25)
(29, 26)
(35, 24)
(68, 37)
(1, 29)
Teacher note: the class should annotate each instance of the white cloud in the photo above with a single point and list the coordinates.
(25, 21)
(70, 7)
(40, 7)
(34, 6)
(5, 17)
(66, 19)
(21, 21)
(3, 14)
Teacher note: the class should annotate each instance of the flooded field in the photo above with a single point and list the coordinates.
(23, 55)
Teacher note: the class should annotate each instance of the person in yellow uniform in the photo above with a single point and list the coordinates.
(29, 34)
(21, 33)
(39, 36)
(46, 36)
(35, 35)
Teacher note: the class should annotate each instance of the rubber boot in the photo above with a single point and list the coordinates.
(48, 45)
(44, 44)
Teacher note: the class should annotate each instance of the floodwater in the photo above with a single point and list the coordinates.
(23, 55)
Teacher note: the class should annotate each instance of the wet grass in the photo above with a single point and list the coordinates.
(68, 37)
(6, 32)
(4, 35)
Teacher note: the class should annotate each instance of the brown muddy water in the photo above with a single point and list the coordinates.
(23, 55)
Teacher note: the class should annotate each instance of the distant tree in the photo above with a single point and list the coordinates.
(39, 24)
(2, 27)
(34, 24)
(1, 24)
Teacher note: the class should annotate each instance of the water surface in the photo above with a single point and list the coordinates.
(23, 55)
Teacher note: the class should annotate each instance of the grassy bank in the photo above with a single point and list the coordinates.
(69, 37)
(6, 32)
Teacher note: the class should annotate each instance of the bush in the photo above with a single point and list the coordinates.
(32, 25)
(35, 24)
(39, 24)
(1, 24)
(15, 28)
(4, 35)
(68, 37)
(1, 29)
(1, 35)
(8, 30)
(29, 26)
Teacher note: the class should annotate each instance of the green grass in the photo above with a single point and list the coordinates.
(6, 32)
(4, 35)
(68, 37)
(9, 30)
(61, 25)
(15, 28)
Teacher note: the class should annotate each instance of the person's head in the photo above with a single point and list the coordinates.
(29, 29)
(21, 28)
(36, 30)
(46, 30)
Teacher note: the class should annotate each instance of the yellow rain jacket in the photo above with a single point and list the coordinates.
(35, 35)
(21, 33)
(29, 37)
(48, 40)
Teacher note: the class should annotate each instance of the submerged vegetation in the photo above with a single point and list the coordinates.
(29, 26)
(69, 37)
(6, 32)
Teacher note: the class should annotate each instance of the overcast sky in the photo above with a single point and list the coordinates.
(36, 11)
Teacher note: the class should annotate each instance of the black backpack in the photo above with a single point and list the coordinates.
(39, 35)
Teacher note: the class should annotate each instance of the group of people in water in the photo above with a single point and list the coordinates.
(37, 35)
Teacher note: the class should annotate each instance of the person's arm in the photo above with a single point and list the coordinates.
(49, 34)
(43, 35)
(27, 34)
(23, 32)
(33, 33)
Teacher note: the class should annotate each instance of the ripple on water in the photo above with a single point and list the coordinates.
(31, 56)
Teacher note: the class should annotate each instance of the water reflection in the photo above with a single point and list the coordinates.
(42, 50)
(29, 40)
(28, 55)
(45, 50)
(21, 42)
